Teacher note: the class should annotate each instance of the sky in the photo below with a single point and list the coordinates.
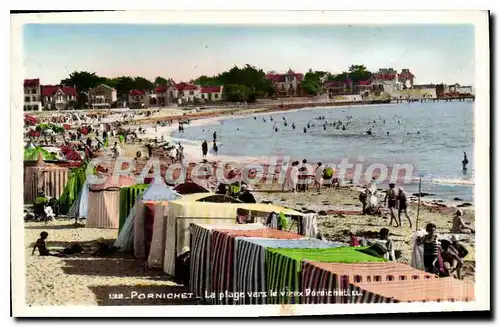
(434, 53)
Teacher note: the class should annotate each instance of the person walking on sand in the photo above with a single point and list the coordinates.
(216, 149)
(204, 149)
(402, 206)
(391, 203)
(318, 178)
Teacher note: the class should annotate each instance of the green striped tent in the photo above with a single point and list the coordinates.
(128, 196)
(71, 191)
(284, 268)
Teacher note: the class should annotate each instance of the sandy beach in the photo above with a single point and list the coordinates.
(84, 279)
(87, 280)
(335, 227)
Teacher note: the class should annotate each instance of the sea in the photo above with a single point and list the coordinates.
(430, 136)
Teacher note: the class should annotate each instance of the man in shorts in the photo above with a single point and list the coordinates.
(390, 199)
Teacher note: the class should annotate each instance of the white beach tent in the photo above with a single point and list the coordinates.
(158, 192)
(79, 209)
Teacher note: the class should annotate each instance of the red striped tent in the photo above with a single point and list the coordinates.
(321, 281)
(421, 290)
(284, 268)
(222, 255)
(200, 263)
(46, 177)
(104, 202)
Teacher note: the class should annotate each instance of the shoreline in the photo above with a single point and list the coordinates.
(192, 153)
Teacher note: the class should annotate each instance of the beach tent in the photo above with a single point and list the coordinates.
(249, 262)
(128, 197)
(420, 290)
(190, 188)
(283, 267)
(79, 208)
(149, 227)
(73, 189)
(205, 208)
(200, 263)
(49, 178)
(104, 201)
(125, 239)
(332, 277)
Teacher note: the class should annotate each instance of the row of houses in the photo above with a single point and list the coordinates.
(57, 97)
(48, 97)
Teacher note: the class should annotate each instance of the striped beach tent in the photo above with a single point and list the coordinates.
(222, 255)
(205, 208)
(201, 235)
(104, 202)
(249, 275)
(420, 290)
(128, 197)
(284, 268)
(322, 281)
(47, 177)
(148, 224)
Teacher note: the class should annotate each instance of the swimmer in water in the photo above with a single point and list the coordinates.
(369, 132)
(387, 133)
(418, 132)
(343, 128)
(308, 125)
(276, 129)
(324, 127)
(305, 130)
(254, 118)
(465, 162)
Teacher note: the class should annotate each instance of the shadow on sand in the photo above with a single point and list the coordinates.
(44, 226)
(142, 295)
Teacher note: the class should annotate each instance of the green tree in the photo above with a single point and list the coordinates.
(83, 81)
(160, 81)
(237, 92)
(143, 84)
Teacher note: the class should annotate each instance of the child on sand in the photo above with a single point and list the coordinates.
(40, 244)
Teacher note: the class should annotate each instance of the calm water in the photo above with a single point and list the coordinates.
(445, 131)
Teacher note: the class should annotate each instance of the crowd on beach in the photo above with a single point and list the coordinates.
(442, 257)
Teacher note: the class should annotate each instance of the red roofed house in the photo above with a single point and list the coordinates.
(386, 80)
(165, 95)
(406, 78)
(187, 93)
(286, 85)
(338, 88)
(211, 93)
(58, 97)
(32, 100)
(138, 99)
(362, 86)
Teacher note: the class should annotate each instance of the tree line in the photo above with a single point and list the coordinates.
(240, 84)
